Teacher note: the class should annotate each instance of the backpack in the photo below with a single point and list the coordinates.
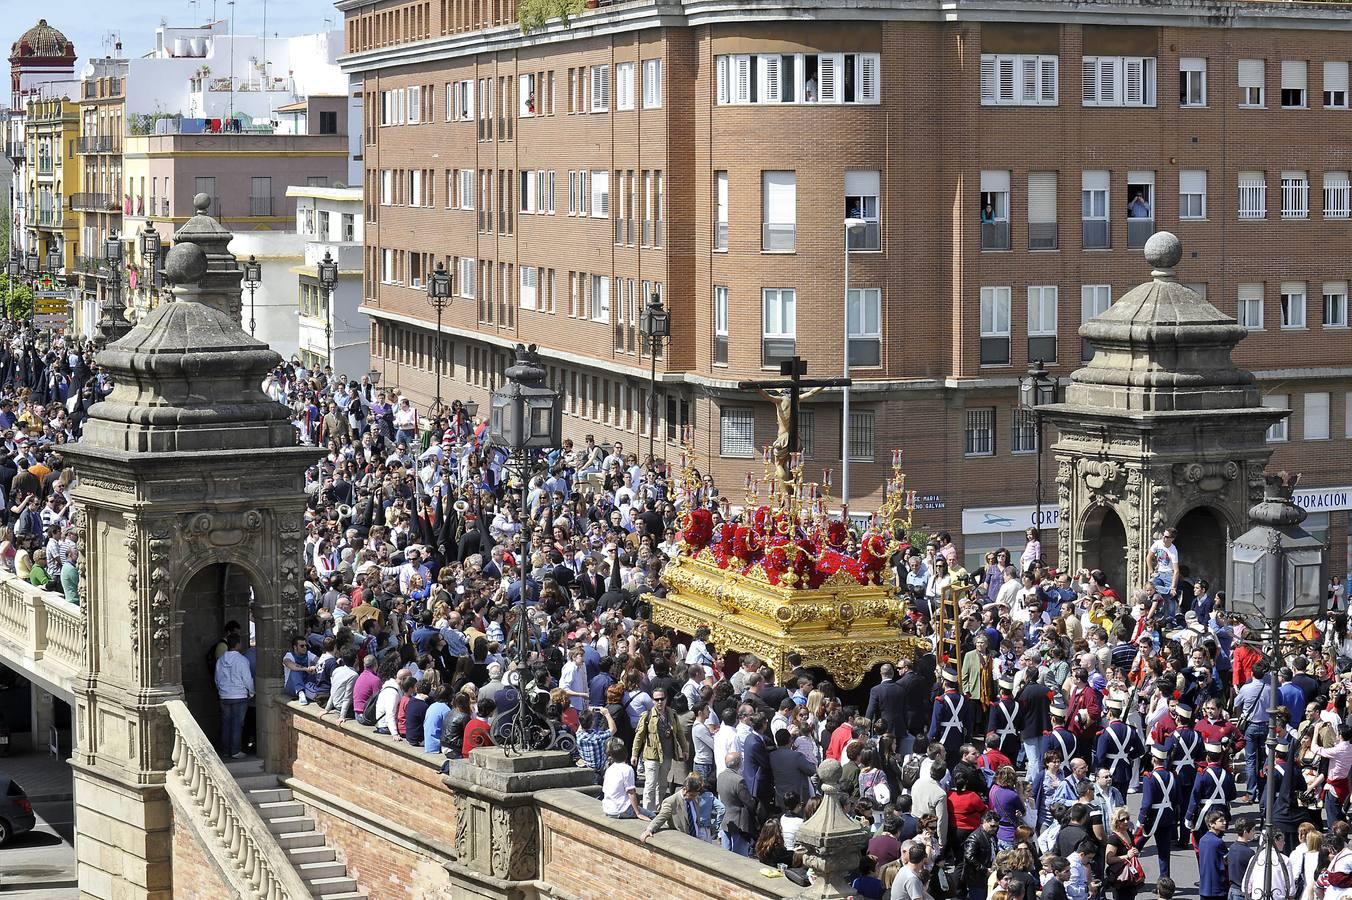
(910, 770)
(368, 712)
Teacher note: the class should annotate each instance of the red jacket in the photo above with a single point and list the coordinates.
(1243, 659)
(1084, 699)
(840, 738)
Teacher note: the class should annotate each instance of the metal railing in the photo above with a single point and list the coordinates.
(720, 235)
(1138, 232)
(1095, 234)
(93, 202)
(778, 236)
(867, 238)
(994, 235)
(16, 150)
(1042, 236)
(237, 838)
(96, 144)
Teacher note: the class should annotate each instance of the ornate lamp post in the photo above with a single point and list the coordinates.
(150, 254)
(253, 277)
(13, 268)
(54, 259)
(439, 295)
(1037, 389)
(524, 417)
(1277, 573)
(112, 322)
(328, 277)
(655, 324)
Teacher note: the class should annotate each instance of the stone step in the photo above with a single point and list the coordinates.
(313, 871)
(311, 854)
(257, 796)
(261, 780)
(279, 809)
(243, 768)
(296, 840)
(345, 895)
(291, 824)
(327, 887)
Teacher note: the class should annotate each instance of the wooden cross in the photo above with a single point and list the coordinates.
(786, 405)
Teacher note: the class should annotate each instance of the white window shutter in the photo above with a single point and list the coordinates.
(722, 80)
(1090, 81)
(1029, 81)
(1048, 78)
(1108, 81)
(1133, 82)
(769, 79)
(869, 64)
(988, 78)
(742, 87)
(829, 67)
(1007, 85)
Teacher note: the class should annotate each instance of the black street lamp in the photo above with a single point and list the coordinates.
(112, 322)
(253, 277)
(31, 262)
(525, 417)
(655, 324)
(54, 259)
(1277, 573)
(1037, 389)
(150, 253)
(14, 268)
(439, 295)
(328, 277)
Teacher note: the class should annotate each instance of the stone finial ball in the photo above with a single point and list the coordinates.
(1163, 250)
(829, 772)
(201, 203)
(185, 263)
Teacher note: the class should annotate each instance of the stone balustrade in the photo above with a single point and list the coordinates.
(41, 635)
(228, 827)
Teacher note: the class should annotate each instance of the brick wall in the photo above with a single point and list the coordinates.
(382, 804)
(195, 876)
(587, 855)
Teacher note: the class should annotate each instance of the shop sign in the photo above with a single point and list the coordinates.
(994, 519)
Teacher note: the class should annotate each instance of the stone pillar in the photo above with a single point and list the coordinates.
(497, 829)
(41, 717)
(833, 839)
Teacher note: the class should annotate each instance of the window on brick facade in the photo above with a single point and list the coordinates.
(980, 432)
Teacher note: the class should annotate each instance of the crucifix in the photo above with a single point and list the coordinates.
(789, 394)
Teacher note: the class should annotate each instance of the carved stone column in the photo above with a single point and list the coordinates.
(833, 839)
(497, 829)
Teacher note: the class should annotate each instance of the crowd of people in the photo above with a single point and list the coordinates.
(1060, 731)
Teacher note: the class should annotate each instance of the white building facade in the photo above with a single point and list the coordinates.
(332, 330)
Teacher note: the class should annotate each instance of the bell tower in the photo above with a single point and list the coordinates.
(189, 510)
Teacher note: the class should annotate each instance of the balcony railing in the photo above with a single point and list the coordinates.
(49, 218)
(994, 235)
(777, 236)
(88, 265)
(1095, 234)
(16, 150)
(867, 238)
(95, 144)
(1041, 235)
(88, 202)
(1138, 232)
(720, 235)
(260, 206)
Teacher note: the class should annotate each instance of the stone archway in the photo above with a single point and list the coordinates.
(1105, 546)
(214, 594)
(1201, 544)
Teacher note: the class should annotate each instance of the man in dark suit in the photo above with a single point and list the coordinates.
(915, 694)
(790, 769)
(756, 767)
(1035, 707)
(739, 807)
(886, 700)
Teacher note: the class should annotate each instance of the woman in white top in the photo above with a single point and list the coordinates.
(1305, 861)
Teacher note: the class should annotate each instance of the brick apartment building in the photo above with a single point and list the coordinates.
(1009, 160)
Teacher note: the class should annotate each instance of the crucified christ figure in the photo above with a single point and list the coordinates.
(783, 402)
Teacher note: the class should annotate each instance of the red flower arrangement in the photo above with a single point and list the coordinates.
(699, 528)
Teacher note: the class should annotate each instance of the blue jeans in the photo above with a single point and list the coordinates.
(1255, 756)
(232, 725)
(1333, 810)
(1032, 758)
(405, 436)
(709, 773)
(736, 842)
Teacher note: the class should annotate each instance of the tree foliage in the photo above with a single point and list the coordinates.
(535, 14)
(20, 306)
